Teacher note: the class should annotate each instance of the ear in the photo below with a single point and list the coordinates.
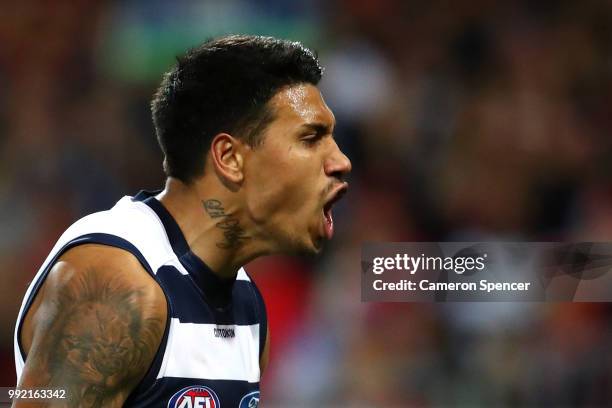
(227, 157)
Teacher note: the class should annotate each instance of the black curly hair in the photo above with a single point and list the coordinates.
(224, 85)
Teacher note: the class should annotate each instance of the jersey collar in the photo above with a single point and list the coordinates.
(217, 291)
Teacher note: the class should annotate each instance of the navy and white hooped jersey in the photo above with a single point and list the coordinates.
(209, 355)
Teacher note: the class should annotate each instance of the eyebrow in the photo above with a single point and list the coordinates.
(317, 127)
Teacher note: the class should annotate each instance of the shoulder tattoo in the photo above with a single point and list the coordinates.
(102, 339)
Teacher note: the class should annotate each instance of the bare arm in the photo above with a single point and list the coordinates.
(97, 327)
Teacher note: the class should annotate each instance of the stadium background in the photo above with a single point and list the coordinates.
(464, 120)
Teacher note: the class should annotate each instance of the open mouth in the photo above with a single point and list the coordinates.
(328, 224)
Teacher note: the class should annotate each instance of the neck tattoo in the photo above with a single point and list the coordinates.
(232, 231)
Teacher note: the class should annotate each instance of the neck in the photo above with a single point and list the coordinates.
(213, 224)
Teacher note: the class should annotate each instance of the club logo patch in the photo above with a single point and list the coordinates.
(195, 396)
(251, 400)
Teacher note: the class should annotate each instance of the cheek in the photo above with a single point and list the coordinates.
(281, 190)
(280, 194)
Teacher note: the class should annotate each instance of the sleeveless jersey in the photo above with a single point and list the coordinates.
(216, 329)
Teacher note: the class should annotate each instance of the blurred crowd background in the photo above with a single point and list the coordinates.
(467, 120)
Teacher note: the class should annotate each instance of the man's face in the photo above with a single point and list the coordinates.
(295, 174)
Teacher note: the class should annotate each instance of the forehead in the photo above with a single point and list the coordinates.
(301, 104)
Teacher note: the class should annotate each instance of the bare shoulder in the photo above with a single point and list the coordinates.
(95, 326)
(105, 273)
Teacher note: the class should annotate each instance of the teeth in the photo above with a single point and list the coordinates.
(328, 206)
(327, 213)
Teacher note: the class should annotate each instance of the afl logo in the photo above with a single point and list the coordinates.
(251, 400)
(195, 396)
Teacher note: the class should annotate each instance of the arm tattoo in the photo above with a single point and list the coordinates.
(102, 341)
(233, 233)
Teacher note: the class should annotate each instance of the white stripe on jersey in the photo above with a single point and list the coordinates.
(215, 358)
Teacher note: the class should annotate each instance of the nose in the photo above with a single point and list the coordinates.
(337, 164)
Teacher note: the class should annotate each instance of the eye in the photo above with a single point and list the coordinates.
(311, 139)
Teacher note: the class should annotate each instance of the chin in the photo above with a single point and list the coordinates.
(316, 246)
(313, 250)
(307, 247)
(306, 250)
(308, 243)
